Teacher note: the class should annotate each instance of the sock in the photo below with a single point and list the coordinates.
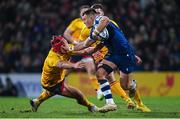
(94, 83)
(87, 103)
(137, 97)
(116, 89)
(44, 96)
(105, 88)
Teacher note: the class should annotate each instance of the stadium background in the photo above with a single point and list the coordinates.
(26, 27)
(152, 26)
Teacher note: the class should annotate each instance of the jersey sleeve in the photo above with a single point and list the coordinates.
(53, 61)
(73, 25)
(85, 32)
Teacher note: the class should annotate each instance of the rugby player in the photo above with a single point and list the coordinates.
(98, 56)
(120, 54)
(72, 34)
(138, 101)
(53, 73)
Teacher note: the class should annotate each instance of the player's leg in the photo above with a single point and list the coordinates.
(116, 89)
(35, 103)
(72, 92)
(102, 71)
(126, 65)
(128, 83)
(91, 69)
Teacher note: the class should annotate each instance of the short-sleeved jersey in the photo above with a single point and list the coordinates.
(76, 26)
(51, 74)
(113, 38)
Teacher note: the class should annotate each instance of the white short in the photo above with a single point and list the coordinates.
(87, 59)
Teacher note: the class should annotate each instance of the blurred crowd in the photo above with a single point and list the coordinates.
(26, 27)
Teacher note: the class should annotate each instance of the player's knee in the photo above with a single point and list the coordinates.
(124, 86)
(110, 78)
(100, 74)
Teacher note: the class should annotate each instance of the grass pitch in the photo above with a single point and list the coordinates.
(161, 107)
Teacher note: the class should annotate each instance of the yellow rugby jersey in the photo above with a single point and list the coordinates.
(85, 32)
(51, 74)
(76, 26)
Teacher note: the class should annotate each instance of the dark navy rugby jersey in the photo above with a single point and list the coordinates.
(113, 38)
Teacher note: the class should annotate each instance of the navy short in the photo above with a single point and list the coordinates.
(125, 63)
(75, 59)
(84, 58)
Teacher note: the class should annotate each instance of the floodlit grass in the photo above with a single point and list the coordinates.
(161, 107)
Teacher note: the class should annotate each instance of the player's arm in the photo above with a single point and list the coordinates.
(69, 65)
(68, 35)
(103, 22)
(88, 50)
(69, 31)
(85, 51)
(82, 45)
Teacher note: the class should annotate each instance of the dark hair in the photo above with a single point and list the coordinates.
(90, 11)
(97, 6)
(83, 7)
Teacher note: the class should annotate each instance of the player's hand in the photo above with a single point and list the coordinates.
(79, 65)
(138, 60)
(75, 42)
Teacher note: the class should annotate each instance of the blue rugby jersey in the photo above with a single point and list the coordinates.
(113, 38)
